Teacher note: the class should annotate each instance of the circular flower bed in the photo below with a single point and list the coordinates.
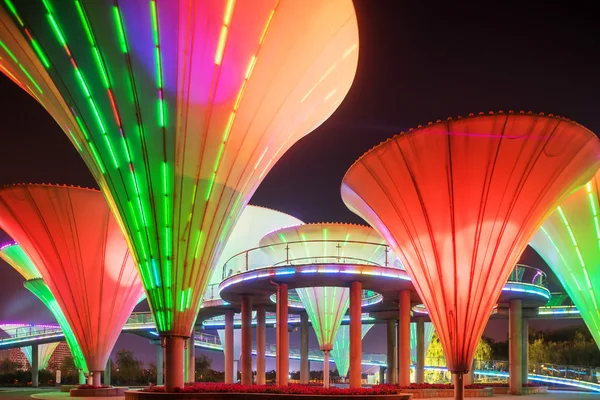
(290, 389)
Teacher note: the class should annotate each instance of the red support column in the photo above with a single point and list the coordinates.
(326, 369)
(404, 339)
(174, 349)
(283, 344)
(304, 363)
(261, 344)
(515, 347)
(355, 335)
(246, 340)
(391, 351)
(228, 348)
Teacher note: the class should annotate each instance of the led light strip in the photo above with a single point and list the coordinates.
(556, 310)
(345, 269)
(529, 288)
(7, 245)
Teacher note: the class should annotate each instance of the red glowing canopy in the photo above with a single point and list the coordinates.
(71, 236)
(458, 202)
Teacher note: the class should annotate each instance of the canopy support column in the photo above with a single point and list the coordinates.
(355, 335)
(515, 343)
(261, 344)
(246, 340)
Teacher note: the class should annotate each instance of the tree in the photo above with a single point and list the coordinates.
(202, 367)
(484, 350)
(68, 365)
(128, 369)
(8, 366)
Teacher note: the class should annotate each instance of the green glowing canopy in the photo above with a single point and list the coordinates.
(44, 353)
(341, 347)
(180, 109)
(428, 335)
(325, 307)
(569, 242)
(42, 291)
(14, 255)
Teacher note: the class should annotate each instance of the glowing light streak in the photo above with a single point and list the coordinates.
(21, 67)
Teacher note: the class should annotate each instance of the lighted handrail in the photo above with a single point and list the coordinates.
(575, 372)
(290, 261)
(526, 274)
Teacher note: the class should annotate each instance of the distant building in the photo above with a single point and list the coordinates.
(15, 355)
(60, 353)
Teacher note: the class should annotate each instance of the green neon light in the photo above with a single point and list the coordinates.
(120, 29)
(12, 56)
(56, 30)
(40, 53)
(13, 10)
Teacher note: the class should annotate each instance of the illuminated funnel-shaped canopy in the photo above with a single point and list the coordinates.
(14, 255)
(341, 347)
(72, 238)
(17, 258)
(428, 335)
(325, 243)
(459, 200)
(42, 291)
(569, 241)
(328, 242)
(44, 353)
(254, 223)
(325, 307)
(180, 108)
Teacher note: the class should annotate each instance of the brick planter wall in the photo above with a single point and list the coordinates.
(447, 393)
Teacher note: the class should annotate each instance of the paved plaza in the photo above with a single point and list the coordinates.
(52, 394)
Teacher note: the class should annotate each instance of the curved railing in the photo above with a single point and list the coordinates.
(24, 330)
(570, 372)
(286, 253)
(526, 274)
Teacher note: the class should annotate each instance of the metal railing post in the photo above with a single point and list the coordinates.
(387, 250)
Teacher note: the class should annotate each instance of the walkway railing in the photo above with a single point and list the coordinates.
(525, 274)
(310, 252)
(571, 372)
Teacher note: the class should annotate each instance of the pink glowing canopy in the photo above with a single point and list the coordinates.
(71, 236)
(458, 202)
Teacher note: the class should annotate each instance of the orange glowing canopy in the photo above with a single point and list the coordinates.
(459, 200)
(71, 236)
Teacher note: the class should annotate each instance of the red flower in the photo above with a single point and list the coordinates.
(92, 387)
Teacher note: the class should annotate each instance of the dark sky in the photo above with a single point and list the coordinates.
(419, 61)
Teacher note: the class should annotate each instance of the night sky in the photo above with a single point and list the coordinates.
(419, 61)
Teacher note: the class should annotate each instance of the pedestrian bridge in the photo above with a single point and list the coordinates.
(143, 324)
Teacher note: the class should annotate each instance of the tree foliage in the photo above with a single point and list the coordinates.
(435, 353)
